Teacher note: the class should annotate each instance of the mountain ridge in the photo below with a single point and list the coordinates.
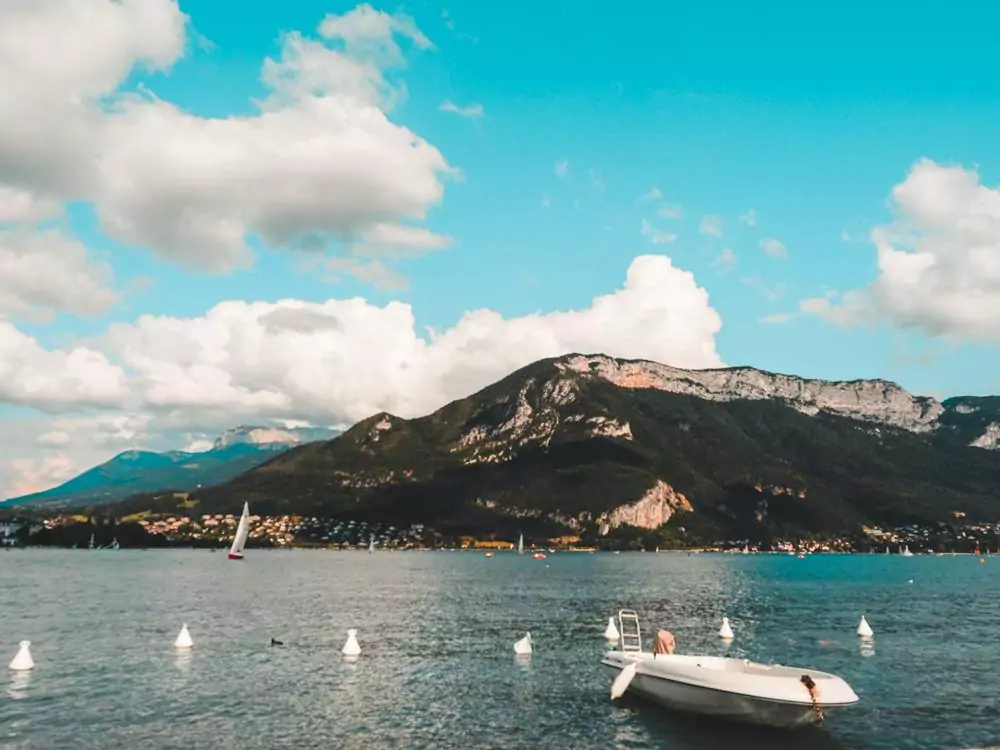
(133, 471)
(582, 442)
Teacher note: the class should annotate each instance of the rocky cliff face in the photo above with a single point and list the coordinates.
(869, 400)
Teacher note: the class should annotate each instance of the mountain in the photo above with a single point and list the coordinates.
(590, 443)
(233, 453)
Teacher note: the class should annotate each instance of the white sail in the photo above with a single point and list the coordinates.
(240, 540)
(520, 545)
(371, 545)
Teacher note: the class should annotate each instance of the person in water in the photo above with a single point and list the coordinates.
(665, 643)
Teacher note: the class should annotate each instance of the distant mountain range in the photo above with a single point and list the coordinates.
(588, 443)
(135, 471)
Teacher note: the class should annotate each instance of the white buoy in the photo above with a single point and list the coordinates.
(725, 632)
(611, 632)
(523, 646)
(183, 638)
(351, 647)
(23, 661)
(864, 629)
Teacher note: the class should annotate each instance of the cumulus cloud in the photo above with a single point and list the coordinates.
(749, 218)
(49, 380)
(562, 168)
(45, 272)
(18, 206)
(938, 260)
(473, 110)
(711, 224)
(318, 164)
(653, 194)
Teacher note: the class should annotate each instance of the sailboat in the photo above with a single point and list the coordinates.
(520, 545)
(240, 540)
(905, 552)
(91, 545)
(371, 545)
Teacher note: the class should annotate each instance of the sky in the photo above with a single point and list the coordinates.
(213, 215)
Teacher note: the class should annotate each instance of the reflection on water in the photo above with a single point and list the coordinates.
(18, 687)
(437, 630)
(867, 647)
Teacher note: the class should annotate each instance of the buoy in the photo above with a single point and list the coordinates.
(611, 632)
(23, 661)
(864, 629)
(183, 638)
(523, 646)
(725, 631)
(351, 647)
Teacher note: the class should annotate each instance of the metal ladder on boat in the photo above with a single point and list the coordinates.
(629, 634)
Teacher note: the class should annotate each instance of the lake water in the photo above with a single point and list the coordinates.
(437, 630)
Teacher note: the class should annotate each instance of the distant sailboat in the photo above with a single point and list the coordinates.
(240, 540)
(114, 544)
(906, 551)
(520, 545)
(371, 545)
(91, 545)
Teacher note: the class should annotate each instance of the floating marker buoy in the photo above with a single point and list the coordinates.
(864, 629)
(725, 632)
(611, 632)
(351, 647)
(523, 646)
(183, 638)
(23, 661)
(910, 581)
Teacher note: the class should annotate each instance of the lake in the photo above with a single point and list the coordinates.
(437, 632)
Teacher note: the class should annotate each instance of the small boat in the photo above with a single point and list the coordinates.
(371, 545)
(489, 554)
(520, 545)
(539, 555)
(722, 687)
(242, 531)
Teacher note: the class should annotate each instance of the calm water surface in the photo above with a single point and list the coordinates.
(437, 630)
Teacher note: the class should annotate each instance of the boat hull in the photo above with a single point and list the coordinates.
(235, 555)
(680, 695)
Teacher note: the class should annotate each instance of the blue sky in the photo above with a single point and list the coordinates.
(725, 107)
(805, 118)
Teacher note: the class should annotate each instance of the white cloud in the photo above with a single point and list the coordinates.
(749, 218)
(711, 224)
(773, 248)
(562, 168)
(845, 236)
(373, 272)
(56, 437)
(671, 211)
(938, 260)
(656, 236)
(34, 376)
(725, 260)
(473, 110)
(19, 206)
(653, 194)
(319, 163)
(45, 272)
(776, 319)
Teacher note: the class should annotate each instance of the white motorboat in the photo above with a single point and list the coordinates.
(728, 688)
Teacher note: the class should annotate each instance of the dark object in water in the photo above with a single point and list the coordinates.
(276, 643)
